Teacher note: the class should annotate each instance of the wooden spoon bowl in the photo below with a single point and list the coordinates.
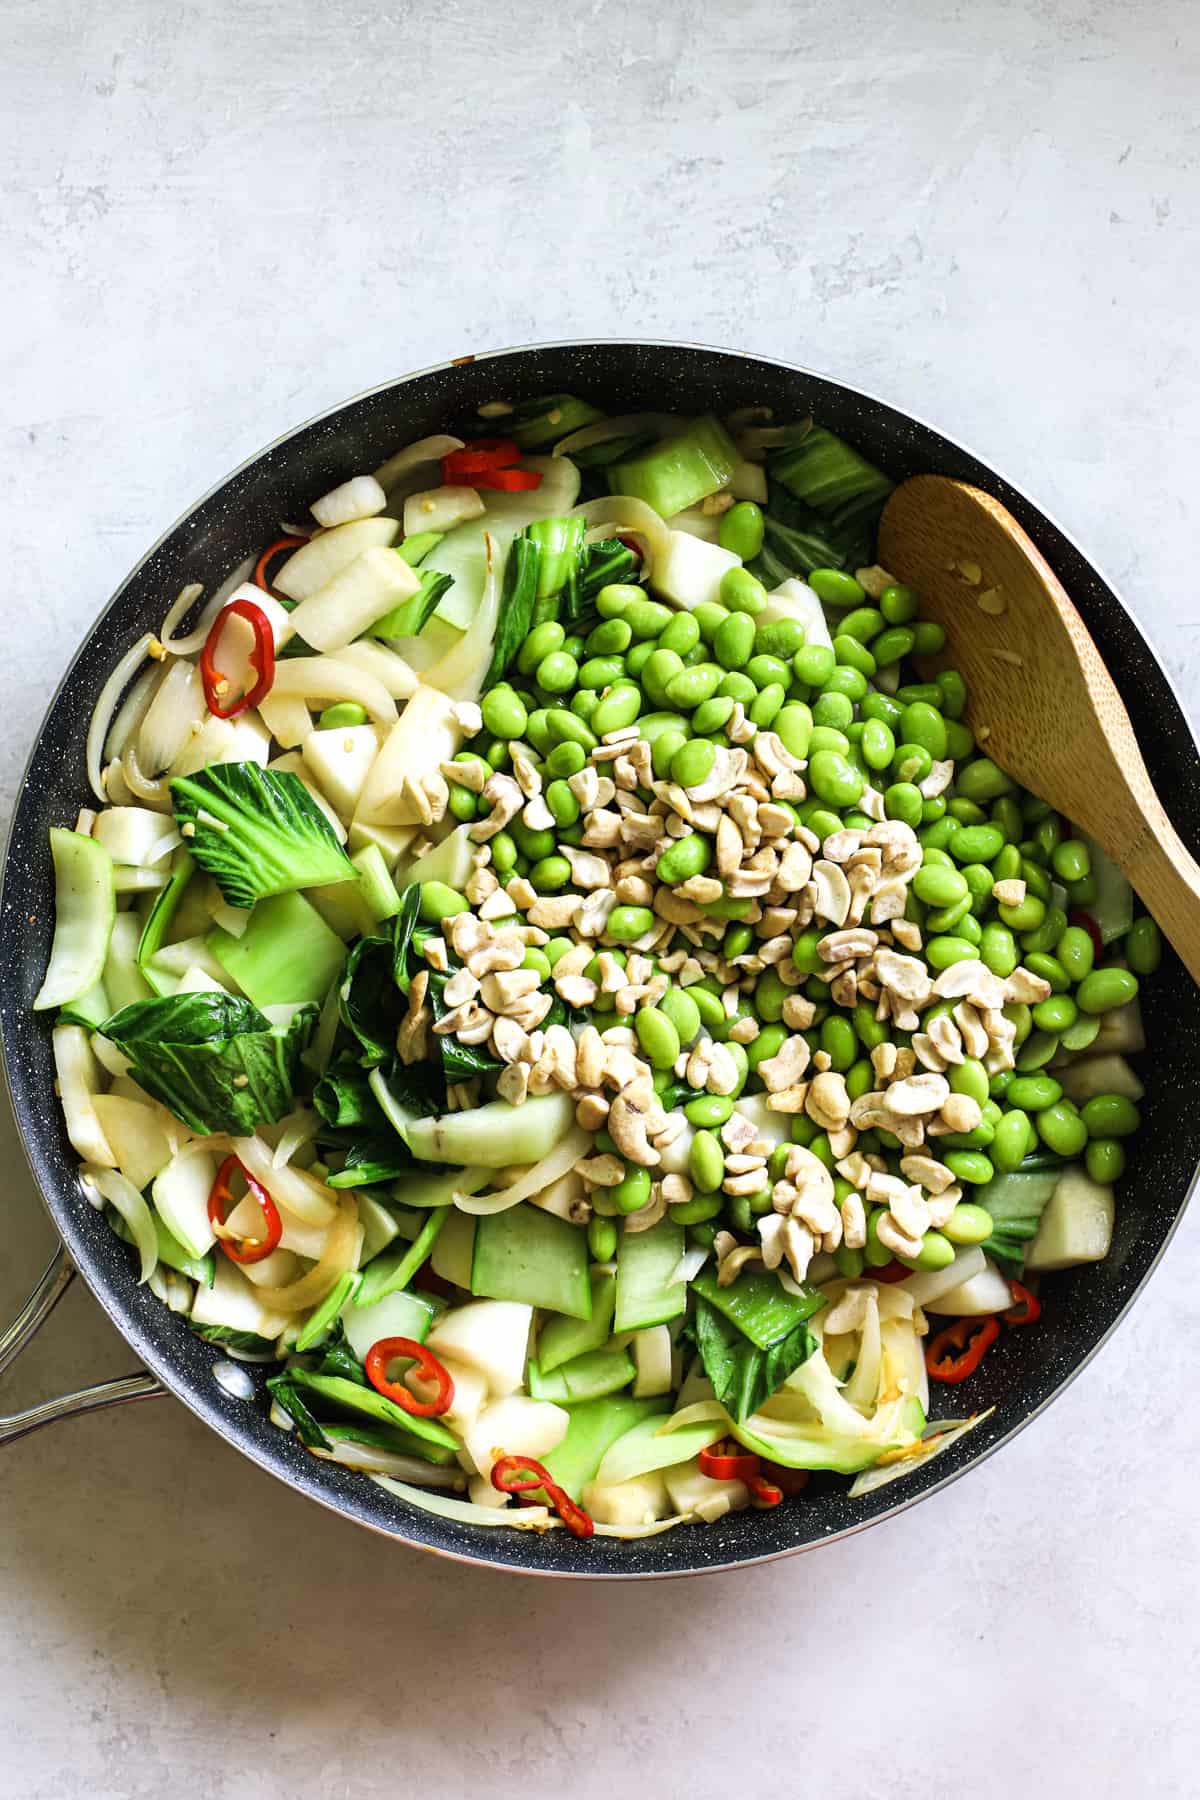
(1041, 702)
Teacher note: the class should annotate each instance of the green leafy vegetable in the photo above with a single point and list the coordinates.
(404, 963)
(517, 602)
(212, 1059)
(534, 424)
(742, 1374)
(344, 1099)
(257, 832)
(410, 618)
(460, 1062)
(826, 472)
(757, 1304)
(605, 562)
(287, 1396)
(248, 1342)
(369, 1001)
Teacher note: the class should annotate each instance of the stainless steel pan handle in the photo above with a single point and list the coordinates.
(60, 1272)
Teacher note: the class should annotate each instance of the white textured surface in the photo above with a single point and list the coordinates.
(216, 220)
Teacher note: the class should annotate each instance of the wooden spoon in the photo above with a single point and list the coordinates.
(1041, 702)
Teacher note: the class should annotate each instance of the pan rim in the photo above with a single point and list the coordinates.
(130, 1328)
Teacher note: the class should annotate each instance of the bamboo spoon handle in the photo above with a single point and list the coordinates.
(1041, 701)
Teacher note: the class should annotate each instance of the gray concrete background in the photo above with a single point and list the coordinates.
(216, 221)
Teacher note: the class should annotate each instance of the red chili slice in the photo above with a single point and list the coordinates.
(958, 1351)
(269, 554)
(380, 1357)
(727, 1461)
(262, 660)
(221, 1201)
(1026, 1308)
(509, 481)
(891, 1271)
(481, 457)
(1078, 917)
(763, 1492)
(520, 1474)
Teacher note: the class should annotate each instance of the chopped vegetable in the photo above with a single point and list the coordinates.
(256, 832)
(220, 1201)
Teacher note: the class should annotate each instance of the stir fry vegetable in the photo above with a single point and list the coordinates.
(555, 977)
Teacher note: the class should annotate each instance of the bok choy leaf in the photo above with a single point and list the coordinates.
(257, 832)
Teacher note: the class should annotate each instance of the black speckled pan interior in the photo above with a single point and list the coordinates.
(1026, 1370)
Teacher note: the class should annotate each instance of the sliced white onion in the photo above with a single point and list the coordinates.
(329, 679)
(384, 665)
(939, 1436)
(302, 1194)
(517, 1518)
(689, 1264)
(359, 498)
(138, 881)
(172, 717)
(299, 1128)
(106, 706)
(929, 1285)
(132, 709)
(135, 835)
(460, 673)
(121, 1193)
(540, 1175)
(342, 1249)
(150, 790)
(414, 456)
(195, 639)
(371, 1461)
(79, 1081)
(286, 718)
(624, 425)
(621, 512)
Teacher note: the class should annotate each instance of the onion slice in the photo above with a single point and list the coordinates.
(302, 1194)
(372, 1461)
(460, 673)
(540, 1175)
(517, 1518)
(622, 512)
(106, 706)
(326, 678)
(624, 425)
(195, 639)
(121, 1193)
(342, 1249)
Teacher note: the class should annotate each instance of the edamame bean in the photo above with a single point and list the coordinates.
(1062, 1129)
(970, 1166)
(833, 712)
(346, 713)
(542, 641)
(683, 1013)
(840, 1041)
(845, 680)
(998, 949)
(922, 724)
(769, 995)
(1105, 989)
(737, 686)
(584, 703)
(557, 673)
(977, 843)
(612, 600)
(1071, 860)
(637, 656)
(564, 727)
(1081, 1034)
(612, 637)
(709, 1111)
(657, 1037)
(834, 779)
(878, 744)
(1104, 1159)
(902, 800)
(968, 1224)
(685, 857)
(664, 750)
(742, 592)
(794, 725)
(562, 803)
(1013, 1138)
(631, 1193)
(682, 635)
(713, 715)
(899, 604)
(504, 715)
(691, 687)
(954, 693)
(706, 1162)
(600, 672)
(1026, 915)
(851, 654)
(891, 645)
(1040, 962)
(835, 588)
(982, 781)
(1110, 1116)
(741, 530)
(440, 902)
(733, 641)
(941, 887)
(1033, 1092)
(966, 811)
(930, 638)
(504, 853)
(550, 874)
(1143, 946)
(813, 665)
(782, 638)
(712, 1012)
(912, 763)
(767, 704)
(661, 666)
(694, 763)
(625, 923)
(1036, 1051)
(1076, 952)
(1055, 1014)
(646, 618)
(768, 1043)
(941, 952)
(618, 709)
(765, 671)
(805, 955)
